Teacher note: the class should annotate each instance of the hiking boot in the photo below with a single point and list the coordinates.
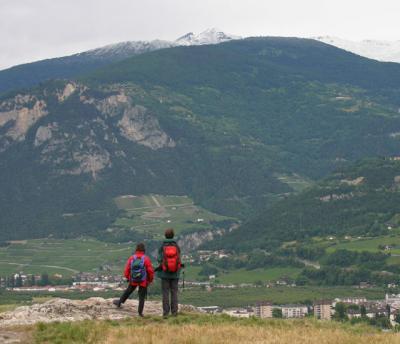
(117, 303)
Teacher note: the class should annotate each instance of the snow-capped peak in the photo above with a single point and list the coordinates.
(209, 36)
(374, 49)
(130, 48)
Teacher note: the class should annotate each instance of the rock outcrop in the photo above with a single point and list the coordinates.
(136, 123)
(43, 134)
(17, 116)
(138, 126)
(69, 89)
(64, 310)
(192, 241)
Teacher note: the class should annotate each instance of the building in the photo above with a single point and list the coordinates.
(263, 309)
(392, 298)
(211, 309)
(323, 309)
(238, 313)
(354, 313)
(351, 300)
(294, 311)
(393, 316)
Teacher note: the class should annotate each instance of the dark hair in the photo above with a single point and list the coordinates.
(140, 247)
(169, 233)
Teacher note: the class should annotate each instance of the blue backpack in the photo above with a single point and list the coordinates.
(138, 270)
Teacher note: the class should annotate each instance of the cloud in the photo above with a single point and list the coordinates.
(32, 30)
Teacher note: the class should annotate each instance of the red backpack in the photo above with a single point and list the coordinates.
(171, 258)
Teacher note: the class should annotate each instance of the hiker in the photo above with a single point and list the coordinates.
(138, 272)
(170, 265)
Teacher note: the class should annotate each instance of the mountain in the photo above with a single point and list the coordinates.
(30, 74)
(373, 49)
(209, 36)
(362, 199)
(236, 126)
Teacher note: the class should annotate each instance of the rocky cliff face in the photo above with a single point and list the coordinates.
(192, 241)
(17, 116)
(137, 125)
(83, 144)
(64, 310)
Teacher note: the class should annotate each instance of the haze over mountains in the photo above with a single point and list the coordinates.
(236, 126)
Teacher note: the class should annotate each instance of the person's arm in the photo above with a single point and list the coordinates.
(179, 250)
(127, 270)
(149, 270)
(160, 255)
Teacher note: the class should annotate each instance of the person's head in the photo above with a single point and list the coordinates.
(140, 247)
(169, 233)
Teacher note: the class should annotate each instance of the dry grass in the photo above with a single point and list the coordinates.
(248, 331)
(203, 334)
(17, 334)
(199, 329)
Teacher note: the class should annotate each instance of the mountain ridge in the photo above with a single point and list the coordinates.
(30, 74)
(232, 125)
(358, 200)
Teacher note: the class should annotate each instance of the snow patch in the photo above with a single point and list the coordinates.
(388, 51)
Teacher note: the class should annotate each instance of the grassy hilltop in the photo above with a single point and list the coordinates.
(209, 329)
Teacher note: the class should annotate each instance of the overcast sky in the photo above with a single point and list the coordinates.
(36, 29)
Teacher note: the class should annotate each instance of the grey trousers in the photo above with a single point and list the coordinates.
(142, 296)
(169, 286)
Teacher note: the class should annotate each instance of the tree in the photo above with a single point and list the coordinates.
(277, 313)
(11, 281)
(340, 312)
(18, 281)
(363, 311)
(259, 283)
(44, 279)
(208, 270)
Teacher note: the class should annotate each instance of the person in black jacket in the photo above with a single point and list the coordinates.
(169, 270)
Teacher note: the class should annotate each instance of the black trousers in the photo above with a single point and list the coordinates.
(142, 296)
(169, 287)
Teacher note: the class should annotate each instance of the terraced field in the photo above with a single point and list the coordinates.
(252, 276)
(65, 257)
(370, 244)
(153, 213)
